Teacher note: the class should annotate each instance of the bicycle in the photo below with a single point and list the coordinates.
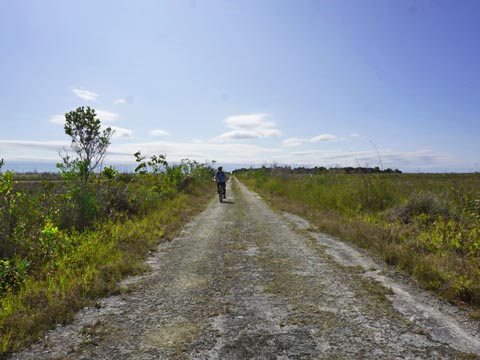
(221, 192)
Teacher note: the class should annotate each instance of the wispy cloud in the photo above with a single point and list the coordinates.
(250, 121)
(292, 142)
(196, 150)
(58, 119)
(13, 150)
(424, 158)
(125, 100)
(323, 138)
(85, 94)
(18, 144)
(122, 133)
(104, 116)
(159, 132)
(236, 153)
(249, 126)
(107, 116)
(239, 135)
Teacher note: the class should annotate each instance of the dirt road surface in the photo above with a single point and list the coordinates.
(245, 282)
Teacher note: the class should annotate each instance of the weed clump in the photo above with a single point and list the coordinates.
(425, 203)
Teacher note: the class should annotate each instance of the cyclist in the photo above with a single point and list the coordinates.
(221, 180)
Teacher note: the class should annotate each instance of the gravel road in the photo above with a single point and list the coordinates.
(245, 282)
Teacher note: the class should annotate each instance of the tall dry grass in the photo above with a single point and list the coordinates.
(428, 225)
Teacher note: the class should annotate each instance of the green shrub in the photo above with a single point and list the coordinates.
(425, 203)
(78, 209)
(377, 193)
(12, 273)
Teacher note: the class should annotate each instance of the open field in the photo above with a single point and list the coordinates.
(64, 249)
(241, 281)
(428, 225)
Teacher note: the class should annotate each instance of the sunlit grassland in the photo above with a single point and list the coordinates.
(428, 225)
(70, 269)
(90, 270)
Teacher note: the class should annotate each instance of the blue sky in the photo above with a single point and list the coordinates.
(247, 82)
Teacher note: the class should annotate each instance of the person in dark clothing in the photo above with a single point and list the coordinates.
(221, 180)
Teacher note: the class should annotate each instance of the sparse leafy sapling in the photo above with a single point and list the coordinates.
(142, 165)
(88, 141)
(109, 172)
(8, 216)
(155, 165)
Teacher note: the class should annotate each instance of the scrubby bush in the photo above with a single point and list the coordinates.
(8, 216)
(12, 273)
(424, 203)
(377, 193)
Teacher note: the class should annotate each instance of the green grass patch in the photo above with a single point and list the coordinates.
(89, 270)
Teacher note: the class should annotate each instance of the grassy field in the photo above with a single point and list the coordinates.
(63, 246)
(427, 225)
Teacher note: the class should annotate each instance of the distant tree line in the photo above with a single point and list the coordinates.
(317, 170)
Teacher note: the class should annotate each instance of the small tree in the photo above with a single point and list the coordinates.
(89, 142)
(153, 166)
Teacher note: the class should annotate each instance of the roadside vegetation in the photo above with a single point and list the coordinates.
(427, 225)
(68, 238)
